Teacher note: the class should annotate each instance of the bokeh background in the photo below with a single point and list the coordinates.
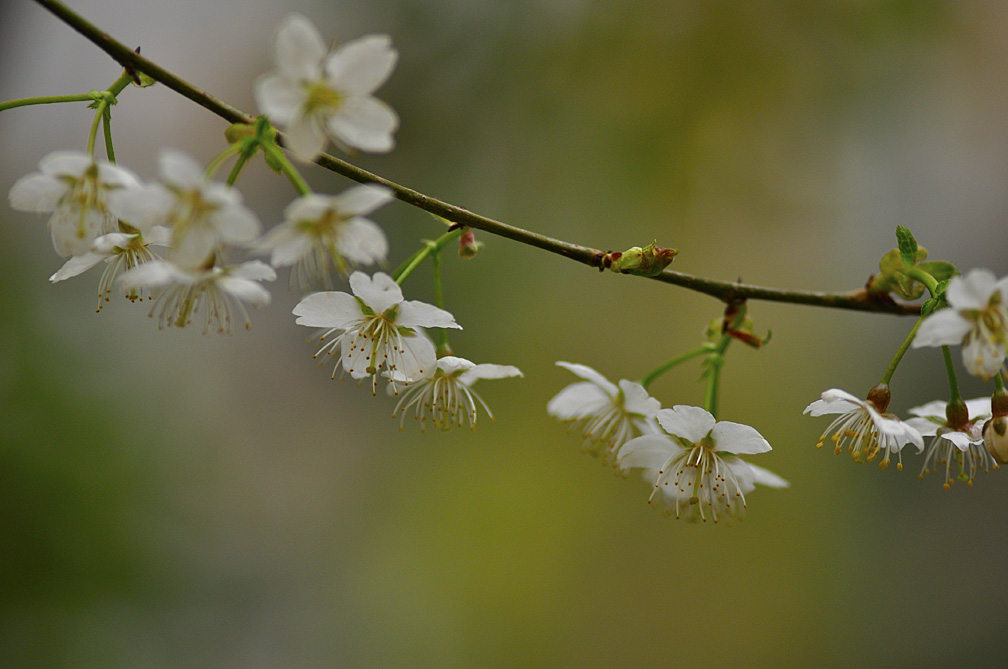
(171, 499)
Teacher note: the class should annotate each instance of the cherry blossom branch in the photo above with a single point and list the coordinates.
(860, 300)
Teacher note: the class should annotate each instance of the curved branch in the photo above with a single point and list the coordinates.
(859, 300)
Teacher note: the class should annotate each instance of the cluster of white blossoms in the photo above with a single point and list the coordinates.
(687, 456)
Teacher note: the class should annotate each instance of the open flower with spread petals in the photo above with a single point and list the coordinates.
(321, 235)
(694, 463)
(609, 414)
(863, 427)
(961, 443)
(977, 318)
(377, 329)
(217, 291)
(76, 189)
(447, 397)
(315, 93)
(203, 216)
(120, 251)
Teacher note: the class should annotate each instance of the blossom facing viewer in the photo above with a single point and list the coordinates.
(78, 190)
(217, 291)
(694, 463)
(203, 216)
(863, 427)
(977, 318)
(377, 329)
(315, 94)
(447, 397)
(609, 414)
(961, 444)
(322, 235)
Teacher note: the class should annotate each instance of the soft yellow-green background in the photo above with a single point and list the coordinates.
(170, 499)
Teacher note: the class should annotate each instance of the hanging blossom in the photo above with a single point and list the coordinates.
(447, 397)
(315, 93)
(961, 444)
(120, 251)
(609, 415)
(863, 427)
(220, 292)
(377, 329)
(78, 191)
(977, 318)
(693, 462)
(203, 216)
(322, 234)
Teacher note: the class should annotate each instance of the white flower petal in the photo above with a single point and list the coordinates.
(66, 164)
(487, 371)
(418, 359)
(77, 265)
(979, 408)
(254, 270)
(143, 206)
(328, 310)
(152, 274)
(935, 408)
(364, 123)
(298, 48)
(650, 451)
(637, 401)
(589, 374)
(361, 242)
(738, 438)
(945, 327)
(579, 400)
(278, 98)
(450, 364)
(180, 169)
(362, 199)
(420, 314)
(982, 357)
(972, 291)
(926, 428)
(361, 66)
(767, 477)
(235, 224)
(961, 440)
(36, 193)
(833, 400)
(246, 290)
(379, 292)
(689, 422)
(305, 137)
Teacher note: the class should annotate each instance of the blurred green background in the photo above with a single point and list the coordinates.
(171, 499)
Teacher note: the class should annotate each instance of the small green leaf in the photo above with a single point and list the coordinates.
(907, 246)
(939, 269)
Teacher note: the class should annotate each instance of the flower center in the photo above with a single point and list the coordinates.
(320, 98)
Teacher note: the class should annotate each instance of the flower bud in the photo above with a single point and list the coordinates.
(647, 261)
(468, 246)
(956, 414)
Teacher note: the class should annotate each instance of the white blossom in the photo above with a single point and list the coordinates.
(608, 414)
(217, 291)
(323, 234)
(315, 93)
(962, 444)
(693, 462)
(862, 428)
(977, 318)
(203, 216)
(377, 329)
(447, 397)
(77, 190)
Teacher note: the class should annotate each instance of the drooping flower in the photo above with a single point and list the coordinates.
(315, 93)
(377, 329)
(693, 462)
(120, 251)
(217, 291)
(863, 427)
(977, 318)
(76, 189)
(203, 216)
(608, 414)
(322, 234)
(447, 397)
(961, 443)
